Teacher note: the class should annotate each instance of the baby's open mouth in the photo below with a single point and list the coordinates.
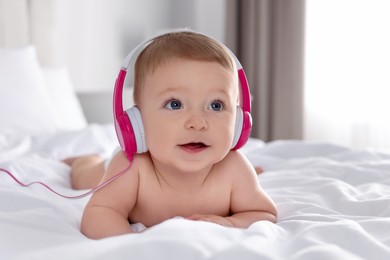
(194, 147)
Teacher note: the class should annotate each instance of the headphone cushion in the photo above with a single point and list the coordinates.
(238, 126)
(135, 120)
(242, 129)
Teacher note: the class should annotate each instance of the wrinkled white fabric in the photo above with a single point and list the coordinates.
(333, 203)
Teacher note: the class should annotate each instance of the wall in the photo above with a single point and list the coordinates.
(96, 35)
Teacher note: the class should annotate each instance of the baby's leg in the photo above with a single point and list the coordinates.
(87, 171)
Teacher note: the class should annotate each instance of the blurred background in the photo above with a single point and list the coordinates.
(318, 70)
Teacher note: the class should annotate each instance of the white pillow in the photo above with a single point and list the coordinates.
(25, 106)
(61, 91)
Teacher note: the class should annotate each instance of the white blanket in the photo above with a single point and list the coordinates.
(333, 203)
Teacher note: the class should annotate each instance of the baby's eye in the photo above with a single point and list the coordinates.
(216, 105)
(173, 104)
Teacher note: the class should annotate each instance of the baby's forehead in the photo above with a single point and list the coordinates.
(227, 81)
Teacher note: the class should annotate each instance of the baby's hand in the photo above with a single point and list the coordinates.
(211, 218)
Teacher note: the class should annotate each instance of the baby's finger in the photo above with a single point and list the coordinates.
(195, 217)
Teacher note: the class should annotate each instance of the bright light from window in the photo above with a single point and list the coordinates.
(347, 72)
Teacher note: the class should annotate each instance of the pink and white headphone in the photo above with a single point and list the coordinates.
(128, 123)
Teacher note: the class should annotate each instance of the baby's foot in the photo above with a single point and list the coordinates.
(89, 157)
(259, 170)
(69, 161)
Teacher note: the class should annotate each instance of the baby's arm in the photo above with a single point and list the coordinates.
(106, 213)
(249, 203)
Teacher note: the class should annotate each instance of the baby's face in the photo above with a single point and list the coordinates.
(188, 110)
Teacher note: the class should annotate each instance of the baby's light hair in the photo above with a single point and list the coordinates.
(184, 45)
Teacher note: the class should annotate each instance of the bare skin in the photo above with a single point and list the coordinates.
(88, 171)
(157, 200)
(190, 169)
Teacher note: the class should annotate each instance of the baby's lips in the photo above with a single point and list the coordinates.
(194, 145)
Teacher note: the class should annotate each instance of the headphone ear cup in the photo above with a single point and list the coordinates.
(135, 120)
(238, 126)
(125, 134)
(242, 128)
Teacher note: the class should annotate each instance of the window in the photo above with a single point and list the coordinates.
(347, 72)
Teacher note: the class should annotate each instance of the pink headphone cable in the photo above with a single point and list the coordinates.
(65, 196)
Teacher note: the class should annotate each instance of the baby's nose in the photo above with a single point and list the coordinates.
(196, 123)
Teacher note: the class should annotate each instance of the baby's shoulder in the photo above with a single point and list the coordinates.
(120, 162)
(235, 163)
(120, 159)
(235, 159)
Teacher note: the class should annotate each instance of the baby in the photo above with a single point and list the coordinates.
(186, 88)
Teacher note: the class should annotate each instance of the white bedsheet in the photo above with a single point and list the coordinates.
(333, 203)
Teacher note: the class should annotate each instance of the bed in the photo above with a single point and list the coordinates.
(333, 201)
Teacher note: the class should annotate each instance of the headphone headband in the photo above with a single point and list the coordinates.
(130, 59)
